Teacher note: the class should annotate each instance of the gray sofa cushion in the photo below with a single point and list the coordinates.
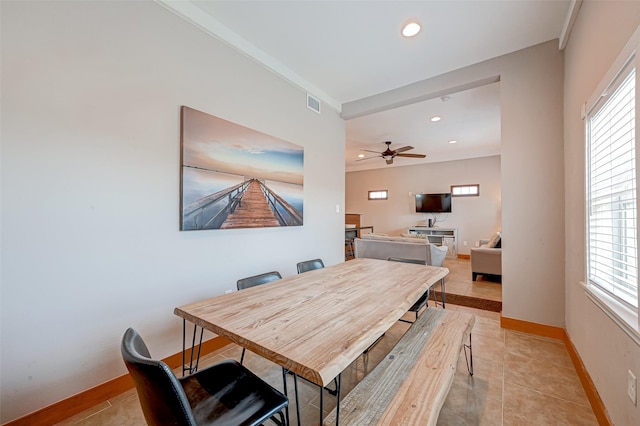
(390, 238)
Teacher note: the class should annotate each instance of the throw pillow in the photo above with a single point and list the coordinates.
(494, 240)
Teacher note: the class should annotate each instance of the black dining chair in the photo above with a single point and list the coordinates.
(225, 393)
(422, 301)
(309, 265)
(253, 281)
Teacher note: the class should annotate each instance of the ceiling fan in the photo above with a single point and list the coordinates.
(389, 154)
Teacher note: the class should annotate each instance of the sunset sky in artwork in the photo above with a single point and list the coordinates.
(214, 144)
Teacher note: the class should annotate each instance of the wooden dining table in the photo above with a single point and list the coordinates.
(317, 323)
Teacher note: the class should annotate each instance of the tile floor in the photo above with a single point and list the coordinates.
(519, 379)
(459, 281)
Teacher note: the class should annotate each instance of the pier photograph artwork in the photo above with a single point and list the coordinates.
(236, 177)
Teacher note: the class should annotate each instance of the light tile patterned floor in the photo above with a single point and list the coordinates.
(459, 281)
(519, 379)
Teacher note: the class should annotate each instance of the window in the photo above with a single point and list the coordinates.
(378, 195)
(465, 190)
(612, 220)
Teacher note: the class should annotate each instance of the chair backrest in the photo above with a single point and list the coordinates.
(267, 277)
(161, 395)
(309, 265)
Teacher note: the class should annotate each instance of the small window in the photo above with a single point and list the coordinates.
(465, 190)
(379, 195)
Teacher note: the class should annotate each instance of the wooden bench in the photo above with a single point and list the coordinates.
(411, 383)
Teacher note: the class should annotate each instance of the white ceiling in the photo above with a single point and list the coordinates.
(342, 51)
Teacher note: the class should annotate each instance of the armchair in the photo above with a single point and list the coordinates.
(486, 261)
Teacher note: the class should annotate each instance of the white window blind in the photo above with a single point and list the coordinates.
(612, 251)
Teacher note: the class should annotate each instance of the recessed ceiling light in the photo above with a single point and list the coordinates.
(410, 29)
(453, 141)
(436, 118)
(360, 155)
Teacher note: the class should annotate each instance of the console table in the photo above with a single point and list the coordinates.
(447, 237)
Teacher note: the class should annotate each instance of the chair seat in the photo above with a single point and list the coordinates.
(229, 394)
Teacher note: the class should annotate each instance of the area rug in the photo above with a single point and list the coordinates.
(471, 302)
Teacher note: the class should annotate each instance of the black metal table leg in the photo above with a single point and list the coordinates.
(321, 406)
(295, 387)
(338, 386)
(284, 388)
(444, 293)
(184, 343)
(470, 358)
(338, 381)
(191, 368)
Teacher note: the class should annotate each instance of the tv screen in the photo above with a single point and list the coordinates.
(433, 203)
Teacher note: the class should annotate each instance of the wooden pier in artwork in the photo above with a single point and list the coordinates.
(253, 211)
(250, 204)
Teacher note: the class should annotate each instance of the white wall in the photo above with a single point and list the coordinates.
(474, 217)
(531, 87)
(91, 94)
(600, 32)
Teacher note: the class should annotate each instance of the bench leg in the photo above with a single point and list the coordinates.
(469, 358)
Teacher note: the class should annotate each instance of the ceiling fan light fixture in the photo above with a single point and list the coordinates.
(410, 29)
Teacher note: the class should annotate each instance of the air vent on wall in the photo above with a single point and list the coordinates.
(313, 103)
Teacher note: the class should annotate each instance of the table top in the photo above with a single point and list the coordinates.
(316, 323)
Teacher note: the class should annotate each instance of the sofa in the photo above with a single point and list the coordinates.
(383, 247)
(486, 260)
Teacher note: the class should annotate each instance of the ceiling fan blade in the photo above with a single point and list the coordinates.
(390, 161)
(404, 148)
(412, 155)
(368, 158)
(366, 150)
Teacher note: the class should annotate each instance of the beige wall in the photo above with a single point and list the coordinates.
(91, 96)
(601, 31)
(531, 88)
(474, 217)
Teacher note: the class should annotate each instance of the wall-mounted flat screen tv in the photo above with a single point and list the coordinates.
(433, 203)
